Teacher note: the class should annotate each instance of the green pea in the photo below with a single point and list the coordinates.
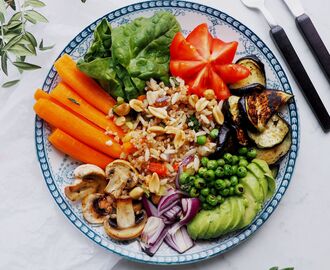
(183, 178)
(204, 161)
(205, 191)
(241, 172)
(219, 172)
(227, 183)
(202, 198)
(252, 153)
(206, 206)
(234, 160)
(221, 162)
(224, 192)
(201, 140)
(219, 199)
(212, 164)
(243, 163)
(228, 158)
(213, 191)
(231, 191)
(239, 189)
(220, 184)
(243, 151)
(191, 179)
(185, 187)
(241, 157)
(214, 133)
(212, 200)
(193, 192)
(227, 170)
(209, 175)
(199, 183)
(234, 169)
(201, 171)
(233, 180)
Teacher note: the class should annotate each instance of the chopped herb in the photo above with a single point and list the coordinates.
(174, 81)
(193, 123)
(74, 101)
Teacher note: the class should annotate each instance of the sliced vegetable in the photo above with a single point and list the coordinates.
(258, 108)
(171, 199)
(65, 95)
(153, 235)
(39, 93)
(57, 116)
(204, 62)
(256, 81)
(78, 150)
(181, 167)
(150, 208)
(275, 154)
(275, 133)
(85, 86)
(225, 142)
(180, 240)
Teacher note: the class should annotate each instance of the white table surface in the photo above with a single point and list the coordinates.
(34, 234)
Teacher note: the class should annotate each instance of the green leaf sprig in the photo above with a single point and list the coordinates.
(16, 42)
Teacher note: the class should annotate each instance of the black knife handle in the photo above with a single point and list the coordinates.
(315, 42)
(301, 76)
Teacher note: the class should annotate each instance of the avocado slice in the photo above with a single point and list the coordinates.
(238, 208)
(251, 184)
(225, 218)
(268, 174)
(214, 219)
(259, 173)
(252, 209)
(199, 225)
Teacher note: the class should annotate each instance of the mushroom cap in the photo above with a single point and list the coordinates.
(89, 171)
(124, 234)
(121, 175)
(90, 209)
(80, 189)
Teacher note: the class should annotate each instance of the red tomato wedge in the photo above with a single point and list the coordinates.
(205, 62)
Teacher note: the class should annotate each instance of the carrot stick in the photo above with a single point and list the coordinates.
(39, 93)
(63, 119)
(65, 95)
(128, 148)
(78, 150)
(85, 86)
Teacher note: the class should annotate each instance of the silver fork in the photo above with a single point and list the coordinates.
(284, 44)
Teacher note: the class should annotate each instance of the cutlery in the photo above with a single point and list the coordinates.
(310, 34)
(283, 43)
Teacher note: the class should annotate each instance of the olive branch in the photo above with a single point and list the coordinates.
(16, 42)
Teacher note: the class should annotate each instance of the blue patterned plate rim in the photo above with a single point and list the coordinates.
(262, 217)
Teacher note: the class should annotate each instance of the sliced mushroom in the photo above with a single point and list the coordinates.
(96, 207)
(125, 213)
(117, 233)
(121, 175)
(89, 179)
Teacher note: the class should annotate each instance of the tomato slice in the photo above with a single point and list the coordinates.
(181, 49)
(201, 39)
(232, 73)
(185, 69)
(219, 87)
(199, 84)
(222, 52)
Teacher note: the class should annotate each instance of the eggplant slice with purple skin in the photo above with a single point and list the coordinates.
(258, 108)
(275, 133)
(274, 155)
(256, 81)
(233, 113)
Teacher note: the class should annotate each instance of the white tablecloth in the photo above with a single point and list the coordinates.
(34, 234)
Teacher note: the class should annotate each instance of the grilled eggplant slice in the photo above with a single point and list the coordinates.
(275, 133)
(275, 154)
(256, 81)
(225, 142)
(235, 119)
(260, 107)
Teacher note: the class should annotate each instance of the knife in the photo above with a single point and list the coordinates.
(310, 34)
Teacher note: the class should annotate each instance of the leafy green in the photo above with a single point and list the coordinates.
(124, 58)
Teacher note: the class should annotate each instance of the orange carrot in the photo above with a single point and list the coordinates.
(65, 95)
(78, 150)
(85, 86)
(142, 97)
(128, 148)
(39, 93)
(83, 131)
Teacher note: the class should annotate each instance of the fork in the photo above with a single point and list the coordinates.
(284, 44)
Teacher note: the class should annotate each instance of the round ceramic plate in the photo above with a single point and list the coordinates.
(57, 168)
